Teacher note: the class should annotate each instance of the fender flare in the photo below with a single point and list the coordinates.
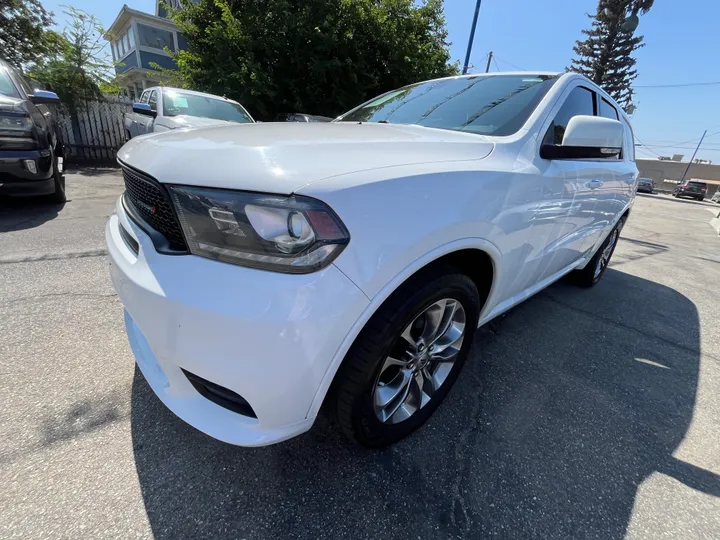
(375, 303)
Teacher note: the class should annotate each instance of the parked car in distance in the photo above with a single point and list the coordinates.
(162, 108)
(645, 185)
(267, 272)
(691, 188)
(31, 152)
(301, 117)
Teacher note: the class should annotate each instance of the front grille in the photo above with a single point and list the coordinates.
(220, 395)
(150, 200)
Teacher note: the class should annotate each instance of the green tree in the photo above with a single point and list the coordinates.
(606, 55)
(23, 31)
(314, 56)
(82, 68)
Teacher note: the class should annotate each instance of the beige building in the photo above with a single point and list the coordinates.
(667, 173)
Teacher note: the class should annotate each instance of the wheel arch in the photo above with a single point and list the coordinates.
(473, 256)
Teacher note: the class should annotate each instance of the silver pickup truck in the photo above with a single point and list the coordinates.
(161, 108)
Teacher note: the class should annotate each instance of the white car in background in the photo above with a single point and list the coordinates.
(162, 108)
(267, 270)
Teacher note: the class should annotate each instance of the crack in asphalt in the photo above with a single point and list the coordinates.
(14, 259)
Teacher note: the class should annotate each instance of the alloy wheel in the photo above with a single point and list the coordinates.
(606, 253)
(419, 362)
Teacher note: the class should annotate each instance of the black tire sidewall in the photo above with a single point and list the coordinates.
(59, 182)
(597, 256)
(369, 430)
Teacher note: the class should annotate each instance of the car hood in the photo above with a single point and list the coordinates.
(283, 157)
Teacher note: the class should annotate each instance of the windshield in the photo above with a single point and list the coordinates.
(486, 104)
(176, 103)
(7, 88)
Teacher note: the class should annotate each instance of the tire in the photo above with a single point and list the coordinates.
(589, 276)
(365, 371)
(59, 196)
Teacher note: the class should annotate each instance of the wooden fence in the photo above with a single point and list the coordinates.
(96, 131)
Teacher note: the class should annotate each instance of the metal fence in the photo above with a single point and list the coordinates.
(96, 131)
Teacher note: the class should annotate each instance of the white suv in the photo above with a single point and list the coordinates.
(268, 269)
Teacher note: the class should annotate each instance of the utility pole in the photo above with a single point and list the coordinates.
(472, 36)
(487, 68)
(693, 157)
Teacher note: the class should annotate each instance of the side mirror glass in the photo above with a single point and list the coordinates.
(587, 137)
(44, 96)
(143, 108)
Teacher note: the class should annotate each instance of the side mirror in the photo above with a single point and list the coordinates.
(43, 96)
(143, 108)
(587, 137)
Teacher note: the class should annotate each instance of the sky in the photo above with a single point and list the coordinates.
(681, 47)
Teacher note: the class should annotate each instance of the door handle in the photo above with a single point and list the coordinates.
(594, 184)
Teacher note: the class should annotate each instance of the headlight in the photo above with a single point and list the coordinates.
(284, 234)
(14, 124)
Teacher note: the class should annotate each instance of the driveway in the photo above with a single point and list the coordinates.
(580, 414)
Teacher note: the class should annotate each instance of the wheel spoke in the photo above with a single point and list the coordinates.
(391, 361)
(430, 384)
(446, 322)
(434, 316)
(408, 337)
(390, 397)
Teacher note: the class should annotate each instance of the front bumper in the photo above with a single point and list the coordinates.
(266, 336)
(17, 180)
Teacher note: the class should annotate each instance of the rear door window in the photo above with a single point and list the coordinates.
(579, 102)
(607, 110)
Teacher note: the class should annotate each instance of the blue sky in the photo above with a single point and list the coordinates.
(681, 47)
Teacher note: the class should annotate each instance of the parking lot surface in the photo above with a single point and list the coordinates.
(580, 414)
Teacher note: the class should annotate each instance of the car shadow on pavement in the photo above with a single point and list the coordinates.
(17, 214)
(566, 405)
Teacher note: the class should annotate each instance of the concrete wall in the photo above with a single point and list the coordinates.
(661, 171)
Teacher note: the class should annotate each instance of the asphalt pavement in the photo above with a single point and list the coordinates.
(580, 414)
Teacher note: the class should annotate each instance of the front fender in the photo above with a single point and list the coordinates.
(391, 287)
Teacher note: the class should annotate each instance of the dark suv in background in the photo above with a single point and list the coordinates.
(31, 154)
(691, 188)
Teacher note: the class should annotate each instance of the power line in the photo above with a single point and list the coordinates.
(510, 64)
(496, 64)
(645, 147)
(676, 85)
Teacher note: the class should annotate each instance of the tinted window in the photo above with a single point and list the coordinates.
(23, 84)
(607, 110)
(155, 37)
(145, 96)
(175, 103)
(153, 100)
(697, 184)
(489, 105)
(7, 88)
(579, 102)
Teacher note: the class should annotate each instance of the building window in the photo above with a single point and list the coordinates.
(131, 38)
(182, 43)
(156, 38)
